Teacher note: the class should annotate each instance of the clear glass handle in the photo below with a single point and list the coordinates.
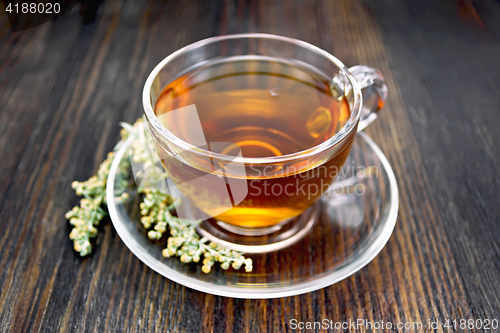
(374, 90)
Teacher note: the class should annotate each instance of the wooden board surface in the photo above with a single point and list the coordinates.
(64, 86)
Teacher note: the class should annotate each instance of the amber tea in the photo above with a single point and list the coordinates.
(260, 109)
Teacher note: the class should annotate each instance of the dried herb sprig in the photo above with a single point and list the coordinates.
(184, 241)
(156, 207)
(86, 217)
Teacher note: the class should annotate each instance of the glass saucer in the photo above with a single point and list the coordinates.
(354, 221)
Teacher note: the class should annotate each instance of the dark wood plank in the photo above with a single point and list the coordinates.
(65, 85)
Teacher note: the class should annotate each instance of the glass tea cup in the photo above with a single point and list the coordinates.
(252, 202)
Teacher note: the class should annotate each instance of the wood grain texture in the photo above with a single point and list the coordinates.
(64, 86)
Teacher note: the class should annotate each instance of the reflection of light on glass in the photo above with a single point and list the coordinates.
(351, 192)
(319, 122)
(230, 191)
(190, 132)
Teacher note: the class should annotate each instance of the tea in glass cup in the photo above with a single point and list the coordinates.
(263, 108)
(252, 129)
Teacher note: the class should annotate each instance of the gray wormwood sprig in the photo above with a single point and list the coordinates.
(184, 241)
(86, 217)
(156, 210)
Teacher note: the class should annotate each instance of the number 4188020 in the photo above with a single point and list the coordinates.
(34, 8)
